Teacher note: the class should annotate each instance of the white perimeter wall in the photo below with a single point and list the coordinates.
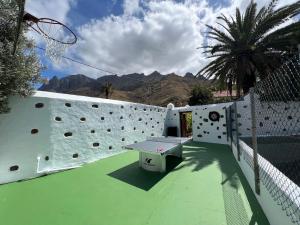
(98, 128)
(204, 130)
(270, 115)
(111, 125)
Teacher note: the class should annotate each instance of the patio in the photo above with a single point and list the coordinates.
(207, 187)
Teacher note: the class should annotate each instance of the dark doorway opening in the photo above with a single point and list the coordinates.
(186, 129)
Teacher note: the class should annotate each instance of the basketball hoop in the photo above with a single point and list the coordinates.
(58, 37)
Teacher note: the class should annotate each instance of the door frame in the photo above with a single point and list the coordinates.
(181, 123)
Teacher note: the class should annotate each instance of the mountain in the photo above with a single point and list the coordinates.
(74, 84)
(155, 88)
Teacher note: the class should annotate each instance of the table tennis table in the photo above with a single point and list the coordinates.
(153, 151)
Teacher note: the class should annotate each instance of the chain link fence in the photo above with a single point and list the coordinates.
(276, 104)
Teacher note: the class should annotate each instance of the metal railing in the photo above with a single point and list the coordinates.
(274, 136)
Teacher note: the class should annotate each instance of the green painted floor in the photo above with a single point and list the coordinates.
(207, 188)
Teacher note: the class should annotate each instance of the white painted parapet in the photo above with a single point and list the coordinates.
(48, 132)
(283, 114)
(204, 130)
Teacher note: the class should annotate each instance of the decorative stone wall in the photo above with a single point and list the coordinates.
(204, 130)
(49, 132)
(244, 117)
(273, 118)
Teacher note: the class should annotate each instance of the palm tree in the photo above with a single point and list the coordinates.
(251, 45)
(108, 89)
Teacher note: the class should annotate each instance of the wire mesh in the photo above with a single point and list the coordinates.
(277, 103)
(57, 37)
(54, 50)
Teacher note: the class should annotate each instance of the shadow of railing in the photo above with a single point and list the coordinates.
(198, 156)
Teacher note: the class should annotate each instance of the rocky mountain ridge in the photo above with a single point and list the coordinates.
(155, 88)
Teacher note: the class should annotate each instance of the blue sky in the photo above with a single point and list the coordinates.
(80, 13)
(85, 10)
(126, 36)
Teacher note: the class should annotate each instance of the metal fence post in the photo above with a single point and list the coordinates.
(254, 142)
(237, 131)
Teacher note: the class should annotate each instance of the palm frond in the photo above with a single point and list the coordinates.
(248, 47)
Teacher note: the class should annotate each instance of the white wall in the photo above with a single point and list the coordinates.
(17, 145)
(204, 130)
(273, 118)
(173, 119)
(244, 116)
(114, 124)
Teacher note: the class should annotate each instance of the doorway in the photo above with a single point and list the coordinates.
(186, 121)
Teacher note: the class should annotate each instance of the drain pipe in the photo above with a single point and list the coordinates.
(254, 142)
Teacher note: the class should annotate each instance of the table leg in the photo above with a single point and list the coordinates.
(163, 164)
(140, 159)
(178, 152)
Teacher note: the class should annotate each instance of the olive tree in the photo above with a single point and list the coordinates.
(19, 69)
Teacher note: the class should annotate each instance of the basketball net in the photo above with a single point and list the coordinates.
(54, 50)
(57, 36)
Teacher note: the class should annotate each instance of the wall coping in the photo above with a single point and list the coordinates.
(53, 95)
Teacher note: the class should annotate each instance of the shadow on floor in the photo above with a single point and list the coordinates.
(200, 155)
(234, 205)
(134, 175)
(196, 157)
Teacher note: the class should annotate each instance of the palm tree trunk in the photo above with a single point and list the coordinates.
(249, 82)
(238, 88)
(238, 91)
(107, 93)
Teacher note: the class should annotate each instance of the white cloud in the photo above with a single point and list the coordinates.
(54, 9)
(131, 7)
(165, 39)
(150, 35)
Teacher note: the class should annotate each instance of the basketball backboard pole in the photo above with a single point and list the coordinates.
(21, 4)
